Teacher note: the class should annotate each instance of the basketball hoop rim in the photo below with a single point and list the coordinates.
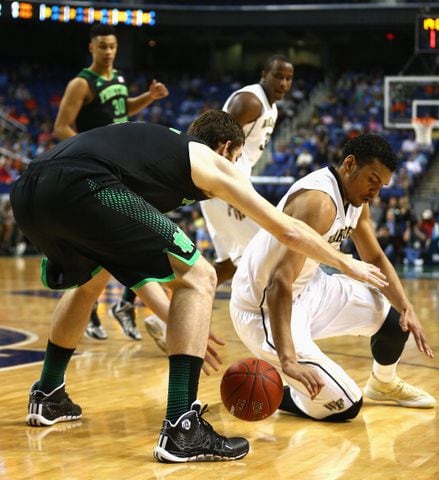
(426, 121)
(423, 127)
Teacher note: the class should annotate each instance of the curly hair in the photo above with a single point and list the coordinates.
(368, 147)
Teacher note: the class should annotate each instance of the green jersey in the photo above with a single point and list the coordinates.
(109, 104)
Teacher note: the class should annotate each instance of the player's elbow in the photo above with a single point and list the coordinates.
(56, 131)
(292, 238)
(59, 131)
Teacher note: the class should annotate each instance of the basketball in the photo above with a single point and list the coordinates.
(251, 389)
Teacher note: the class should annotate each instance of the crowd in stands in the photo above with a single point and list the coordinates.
(30, 97)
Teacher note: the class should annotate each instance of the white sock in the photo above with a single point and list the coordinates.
(384, 373)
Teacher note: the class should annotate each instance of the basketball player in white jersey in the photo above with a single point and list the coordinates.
(254, 107)
(282, 301)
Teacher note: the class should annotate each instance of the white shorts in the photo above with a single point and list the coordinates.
(229, 235)
(329, 306)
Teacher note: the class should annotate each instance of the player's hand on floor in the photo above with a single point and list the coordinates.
(306, 375)
(366, 272)
(212, 357)
(410, 322)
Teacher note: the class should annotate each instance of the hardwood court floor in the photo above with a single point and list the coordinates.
(121, 386)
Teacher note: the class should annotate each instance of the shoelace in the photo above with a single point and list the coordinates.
(218, 438)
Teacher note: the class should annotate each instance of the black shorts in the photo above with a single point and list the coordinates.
(83, 219)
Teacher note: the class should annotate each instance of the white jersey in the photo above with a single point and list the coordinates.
(229, 235)
(257, 133)
(264, 251)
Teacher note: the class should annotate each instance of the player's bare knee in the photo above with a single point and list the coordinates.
(206, 280)
(93, 288)
(200, 276)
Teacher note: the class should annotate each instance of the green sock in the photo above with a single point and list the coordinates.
(54, 368)
(184, 373)
(128, 295)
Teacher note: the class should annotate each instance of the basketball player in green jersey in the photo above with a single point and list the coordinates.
(96, 97)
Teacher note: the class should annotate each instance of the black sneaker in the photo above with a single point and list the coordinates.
(125, 315)
(193, 439)
(94, 327)
(48, 408)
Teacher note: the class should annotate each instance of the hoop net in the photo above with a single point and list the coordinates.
(423, 128)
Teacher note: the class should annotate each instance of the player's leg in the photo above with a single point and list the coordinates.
(68, 318)
(157, 300)
(124, 313)
(230, 234)
(94, 328)
(387, 345)
(53, 210)
(185, 436)
(48, 401)
(375, 318)
(340, 399)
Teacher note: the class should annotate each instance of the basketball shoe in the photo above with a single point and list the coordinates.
(48, 408)
(398, 391)
(94, 327)
(193, 439)
(125, 315)
(157, 329)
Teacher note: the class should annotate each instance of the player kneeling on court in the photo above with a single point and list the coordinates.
(282, 302)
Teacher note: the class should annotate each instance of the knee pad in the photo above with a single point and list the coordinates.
(388, 343)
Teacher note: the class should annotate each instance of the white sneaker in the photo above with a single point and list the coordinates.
(20, 248)
(157, 329)
(398, 391)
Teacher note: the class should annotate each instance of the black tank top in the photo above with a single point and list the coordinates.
(109, 104)
(151, 160)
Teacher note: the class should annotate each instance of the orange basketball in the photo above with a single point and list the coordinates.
(251, 389)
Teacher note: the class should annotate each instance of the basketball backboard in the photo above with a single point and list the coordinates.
(407, 98)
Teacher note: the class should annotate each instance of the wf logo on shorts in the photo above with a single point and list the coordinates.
(335, 405)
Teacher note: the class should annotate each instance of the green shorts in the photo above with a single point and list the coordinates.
(83, 219)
